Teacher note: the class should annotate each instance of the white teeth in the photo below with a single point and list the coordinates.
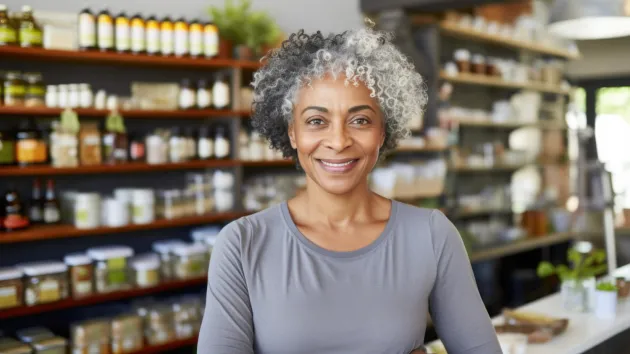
(337, 164)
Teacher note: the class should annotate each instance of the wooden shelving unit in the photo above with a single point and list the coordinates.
(524, 245)
(468, 122)
(99, 298)
(474, 35)
(8, 111)
(268, 163)
(485, 169)
(427, 148)
(165, 348)
(484, 80)
(112, 58)
(49, 232)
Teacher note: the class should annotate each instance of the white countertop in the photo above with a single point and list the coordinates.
(585, 330)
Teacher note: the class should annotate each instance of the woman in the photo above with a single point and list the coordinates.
(339, 269)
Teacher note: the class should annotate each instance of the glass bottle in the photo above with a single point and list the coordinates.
(166, 36)
(138, 34)
(52, 214)
(123, 33)
(8, 35)
(153, 37)
(175, 146)
(210, 40)
(191, 144)
(105, 31)
(14, 218)
(221, 144)
(195, 31)
(186, 95)
(181, 38)
(205, 145)
(220, 93)
(30, 33)
(204, 95)
(35, 210)
(87, 30)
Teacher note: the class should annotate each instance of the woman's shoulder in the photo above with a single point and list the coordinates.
(241, 231)
(424, 221)
(408, 213)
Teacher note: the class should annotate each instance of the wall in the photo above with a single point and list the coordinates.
(602, 58)
(292, 15)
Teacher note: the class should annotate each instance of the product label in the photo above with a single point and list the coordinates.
(49, 291)
(83, 287)
(211, 41)
(204, 98)
(8, 297)
(116, 263)
(153, 37)
(116, 277)
(137, 35)
(205, 148)
(166, 38)
(82, 215)
(221, 148)
(147, 277)
(35, 213)
(30, 37)
(105, 32)
(26, 151)
(33, 90)
(87, 31)
(122, 34)
(15, 90)
(196, 39)
(186, 98)
(7, 152)
(181, 38)
(7, 35)
(51, 215)
(220, 95)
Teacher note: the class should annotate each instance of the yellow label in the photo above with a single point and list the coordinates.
(8, 297)
(137, 22)
(122, 21)
(35, 90)
(166, 26)
(105, 19)
(211, 28)
(82, 215)
(116, 263)
(196, 27)
(7, 35)
(49, 291)
(16, 90)
(153, 25)
(181, 26)
(30, 36)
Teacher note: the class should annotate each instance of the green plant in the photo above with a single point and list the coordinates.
(582, 266)
(242, 26)
(606, 286)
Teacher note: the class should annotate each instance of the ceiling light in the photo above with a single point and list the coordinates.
(590, 19)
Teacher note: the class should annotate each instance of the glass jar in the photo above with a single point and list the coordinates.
(12, 346)
(35, 94)
(52, 99)
(127, 334)
(30, 147)
(111, 268)
(147, 271)
(159, 326)
(87, 213)
(81, 274)
(169, 204)
(206, 236)
(11, 288)
(14, 89)
(64, 147)
(54, 345)
(90, 337)
(45, 282)
(33, 334)
(7, 148)
(190, 261)
(143, 203)
(187, 317)
(164, 249)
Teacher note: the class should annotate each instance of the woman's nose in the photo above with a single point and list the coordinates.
(339, 138)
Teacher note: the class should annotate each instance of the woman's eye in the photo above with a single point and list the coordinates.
(316, 121)
(360, 121)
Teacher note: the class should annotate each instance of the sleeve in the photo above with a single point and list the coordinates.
(227, 326)
(458, 313)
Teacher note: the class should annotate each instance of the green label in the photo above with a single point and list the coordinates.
(7, 152)
(15, 90)
(116, 276)
(7, 35)
(35, 91)
(195, 267)
(116, 263)
(82, 215)
(30, 36)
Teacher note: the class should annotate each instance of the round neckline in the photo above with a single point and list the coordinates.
(286, 216)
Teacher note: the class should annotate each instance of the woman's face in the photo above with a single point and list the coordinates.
(337, 131)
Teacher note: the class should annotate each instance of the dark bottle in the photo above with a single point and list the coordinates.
(137, 148)
(105, 31)
(8, 35)
(52, 214)
(14, 218)
(30, 33)
(35, 209)
(87, 30)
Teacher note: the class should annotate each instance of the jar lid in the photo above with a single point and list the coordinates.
(77, 259)
(167, 245)
(189, 249)
(87, 197)
(109, 252)
(10, 273)
(10, 345)
(32, 334)
(202, 235)
(40, 268)
(146, 194)
(50, 343)
(146, 262)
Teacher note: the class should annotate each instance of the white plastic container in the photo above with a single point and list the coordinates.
(147, 271)
(87, 213)
(190, 261)
(605, 304)
(115, 212)
(164, 249)
(143, 203)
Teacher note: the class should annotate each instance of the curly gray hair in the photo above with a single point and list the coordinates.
(363, 56)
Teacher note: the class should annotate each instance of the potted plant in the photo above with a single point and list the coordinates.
(578, 279)
(605, 300)
(248, 31)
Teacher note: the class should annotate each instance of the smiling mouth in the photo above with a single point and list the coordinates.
(338, 165)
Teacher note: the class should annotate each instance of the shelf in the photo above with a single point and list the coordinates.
(484, 80)
(428, 148)
(496, 168)
(165, 348)
(135, 114)
(268, 163)
(524, 245)
(99, 298)
(48, 232)
(471, 34)
(119, 168)
(122, 59)
(486, 123)
(481, 212)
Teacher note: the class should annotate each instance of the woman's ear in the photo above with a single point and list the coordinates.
(291, 132)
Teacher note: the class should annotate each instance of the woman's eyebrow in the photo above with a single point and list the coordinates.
(317, 108)
(360, 108)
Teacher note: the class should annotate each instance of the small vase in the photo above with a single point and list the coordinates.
(243, 52)
(605, 304)
(578, 294)
(225, 49)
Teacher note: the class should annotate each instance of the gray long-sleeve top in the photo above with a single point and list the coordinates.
(272, 291)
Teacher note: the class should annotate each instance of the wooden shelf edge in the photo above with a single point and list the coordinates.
(136, 113)
(99, 298)
(483, 80)
(487, 123)
(97, 57)
(524, 245)
(48, 232)
(267, 163)
(497, 168)
(454, 30)
(163, 348)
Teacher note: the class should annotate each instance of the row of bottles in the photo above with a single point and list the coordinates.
(42, 209)
(137, 34)
(21, 30)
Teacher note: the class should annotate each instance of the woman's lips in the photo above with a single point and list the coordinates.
(338, 165)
